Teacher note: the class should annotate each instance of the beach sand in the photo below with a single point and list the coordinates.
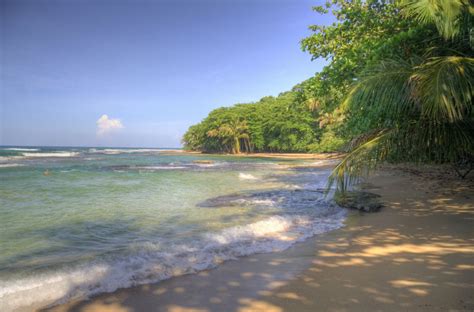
(417, 254)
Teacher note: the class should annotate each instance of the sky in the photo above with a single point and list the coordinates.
(139, 73)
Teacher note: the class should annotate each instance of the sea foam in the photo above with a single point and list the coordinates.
(52, 154)
(10, 165)
(150, 262)
(21, 149)
(247, 176)
(116, 151)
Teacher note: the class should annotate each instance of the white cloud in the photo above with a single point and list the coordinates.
(106, 125)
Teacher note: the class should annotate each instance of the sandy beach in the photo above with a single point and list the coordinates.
(417, 254)
(294, 156)
(213, 156)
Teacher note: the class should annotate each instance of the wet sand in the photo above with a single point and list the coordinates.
(417, 254)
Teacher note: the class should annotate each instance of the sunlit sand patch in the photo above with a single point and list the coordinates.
(412, 286)
(177, 308)
(352, 261)
(248, 274)
(276, 284)
(464, 267)
(257, 306)
(401, 260)
(408, 283)
(440, 248)
(418, 291)
(292, 296)
(436, 261)
(107, 307)
(324, 253)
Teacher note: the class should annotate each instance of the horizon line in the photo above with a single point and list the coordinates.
(87, 146)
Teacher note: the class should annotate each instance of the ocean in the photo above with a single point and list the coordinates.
(75, 222)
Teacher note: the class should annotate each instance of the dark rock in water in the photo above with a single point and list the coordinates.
(362, 201)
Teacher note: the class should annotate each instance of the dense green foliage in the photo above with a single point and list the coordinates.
(279, 124)
(309, 118)
(398, 87)
(416, 107)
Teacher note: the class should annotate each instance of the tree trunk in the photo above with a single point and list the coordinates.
(236, 147)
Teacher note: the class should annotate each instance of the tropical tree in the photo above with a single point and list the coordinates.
(418, 109)
(363, 33)
(398, 87)
(231, 135)
(193, 139)
(276, 124)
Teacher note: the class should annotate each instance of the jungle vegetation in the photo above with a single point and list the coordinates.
(398, 88)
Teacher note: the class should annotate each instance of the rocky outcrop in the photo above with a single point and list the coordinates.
(360, 200)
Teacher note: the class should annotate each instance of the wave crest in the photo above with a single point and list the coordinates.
(247, 176)
(150, 263)
(52, 154)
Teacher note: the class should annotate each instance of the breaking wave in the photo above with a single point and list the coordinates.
(169, 167)
(52, 154)
(150, 262)
(10, 165)
(21, 149)
(116, 151)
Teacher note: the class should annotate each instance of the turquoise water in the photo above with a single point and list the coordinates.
(81, 221)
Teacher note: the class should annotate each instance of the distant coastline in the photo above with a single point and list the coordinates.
(295, 156)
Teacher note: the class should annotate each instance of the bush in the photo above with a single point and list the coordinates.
(329, 142)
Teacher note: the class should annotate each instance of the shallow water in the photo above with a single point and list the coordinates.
(81, 221)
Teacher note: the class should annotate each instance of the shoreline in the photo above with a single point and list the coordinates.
(295, 156)
(416, 254)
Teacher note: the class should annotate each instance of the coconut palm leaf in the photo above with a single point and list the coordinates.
(370, 149)
(446, 87)
(385, 90)
(449, 16)
(313, 104)
(422, 112)
(414, 141)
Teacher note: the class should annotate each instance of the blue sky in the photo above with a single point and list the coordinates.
(139, 73)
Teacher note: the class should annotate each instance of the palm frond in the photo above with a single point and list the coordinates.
(446, 15)
(413, 141)
(313, 104)
(446, 87)
(385, 90)
(369, 150)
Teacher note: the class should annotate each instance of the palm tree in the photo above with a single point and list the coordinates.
(451, 17)
(421, 108)
(313, 104)
(231, 134)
